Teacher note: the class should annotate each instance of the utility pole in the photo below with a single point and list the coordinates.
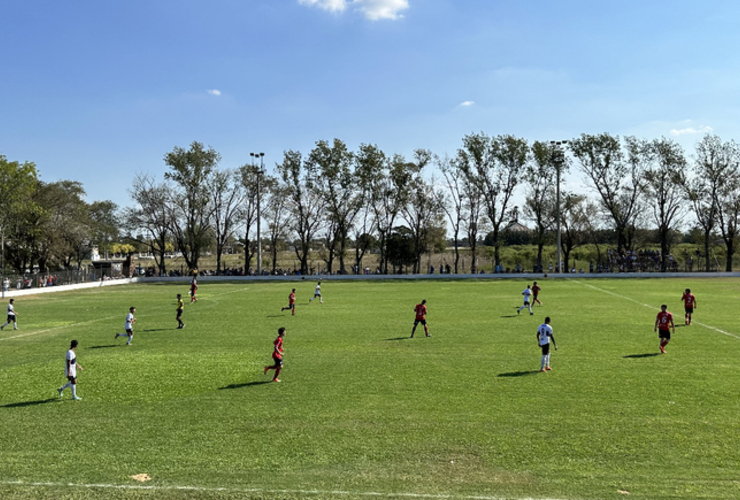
(558, 159)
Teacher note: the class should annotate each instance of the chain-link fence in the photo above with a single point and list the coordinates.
(53, 278)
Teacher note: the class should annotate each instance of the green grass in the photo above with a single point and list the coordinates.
(362, 408)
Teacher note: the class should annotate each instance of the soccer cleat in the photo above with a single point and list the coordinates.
(60, 391)
(2, 328)
(182, 326)
(542, 370)
(518, 311)
(428, 335)
(76, 398)
(531, 314)
(276, 380)
(547, 368)
(662, 349)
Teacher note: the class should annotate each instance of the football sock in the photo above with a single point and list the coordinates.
(530, 309)
(277, 372)
(6, 324)
(542, 364)
(547, 360)
(68, 384)
(74, 390)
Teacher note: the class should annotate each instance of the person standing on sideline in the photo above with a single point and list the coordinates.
(70, 371)
(12, 316)
(291, 303)
(180, 307)
(662, 321)
(193, 289)
(128, 326)
(317, 293)
(689, 302)
(544, 334)
(277, 355)
(527, 292)
(421, 313)
(535, 292)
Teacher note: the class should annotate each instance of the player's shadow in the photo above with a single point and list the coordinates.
(399, 338)
(679, 326)
(638, 356)
(276, 316)
(103, 346)
(158, 329)
(29, 403)
(247, 384)
(518, 374)
(511, 316)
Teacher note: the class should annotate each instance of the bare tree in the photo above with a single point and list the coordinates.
(276, 215)
(305, 201)
(227, 195)
(451, 200)
(618, 180)
(369, 163)
(151, 215)
(540, 200)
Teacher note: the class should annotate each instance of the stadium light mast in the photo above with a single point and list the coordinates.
(558, 159)
(260, 173)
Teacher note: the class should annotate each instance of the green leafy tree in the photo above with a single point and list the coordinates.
(148, 222)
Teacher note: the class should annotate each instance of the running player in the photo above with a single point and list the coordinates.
(421, 313)
(291, 303)
(689, 302)
(317, 293)
(535, 291)
(12, 316)
(180, 307)
(527, 292)
(544, 334)
(662, 322)
(277, 355)
(128, 326)
(193, 289)
(70, 371)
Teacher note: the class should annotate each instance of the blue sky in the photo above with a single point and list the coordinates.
(98, 91)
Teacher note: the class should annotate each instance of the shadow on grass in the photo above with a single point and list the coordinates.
(158, 330)
(29, 403)
(638, 356)
(518, 374)
(247, 384)
(512, 316)
(103, 346)
(679, 326)
(276, 316)
(399, 338)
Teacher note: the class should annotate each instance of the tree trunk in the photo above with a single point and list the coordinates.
(730, 243)
(706, 249)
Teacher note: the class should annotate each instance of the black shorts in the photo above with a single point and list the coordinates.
(179, 313)
(688, 310)
(278, 362)
(664, 334)
(129, 332)
(11, 318)
(545, 349)
(72, 379)
(422, 321)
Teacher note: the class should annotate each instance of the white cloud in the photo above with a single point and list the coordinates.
(691, 131)
(215, 92)
(466, 104)
(372, 9)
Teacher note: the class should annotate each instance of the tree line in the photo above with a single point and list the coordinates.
(341, 204)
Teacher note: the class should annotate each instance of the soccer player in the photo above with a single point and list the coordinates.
(70, 371)
(317, 293)
(193, 289)
(128, 326)
(421, 312)
(544, 334)
(527, 292)
(12, 316)
(291, 303)
(536, 291)
(689, 302)
(180, 307)
(662, 321)
(277, 355)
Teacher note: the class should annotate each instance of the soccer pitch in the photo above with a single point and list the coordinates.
(362, 410)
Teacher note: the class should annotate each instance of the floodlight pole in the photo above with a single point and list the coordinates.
(558, 159)
(260, 173)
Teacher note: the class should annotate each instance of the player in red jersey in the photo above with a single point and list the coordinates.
(536, 291)
(662, 323)
(421, 312)
(291, 303)
(277, 355)
(193, 289)
(689, 302)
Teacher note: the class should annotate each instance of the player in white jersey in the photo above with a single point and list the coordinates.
(544, 334)
(527, 292)
(129, 326)
(317, 293)
(12, 316)
(70, 371)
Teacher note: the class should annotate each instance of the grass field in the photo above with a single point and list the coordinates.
(362, 409)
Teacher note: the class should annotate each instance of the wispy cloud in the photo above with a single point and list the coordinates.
(371, 9)
(215, 92)
(466, 104)
(691, 130)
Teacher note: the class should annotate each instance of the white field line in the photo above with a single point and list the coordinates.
(37, 332)
(264, 491)
(655, 308)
